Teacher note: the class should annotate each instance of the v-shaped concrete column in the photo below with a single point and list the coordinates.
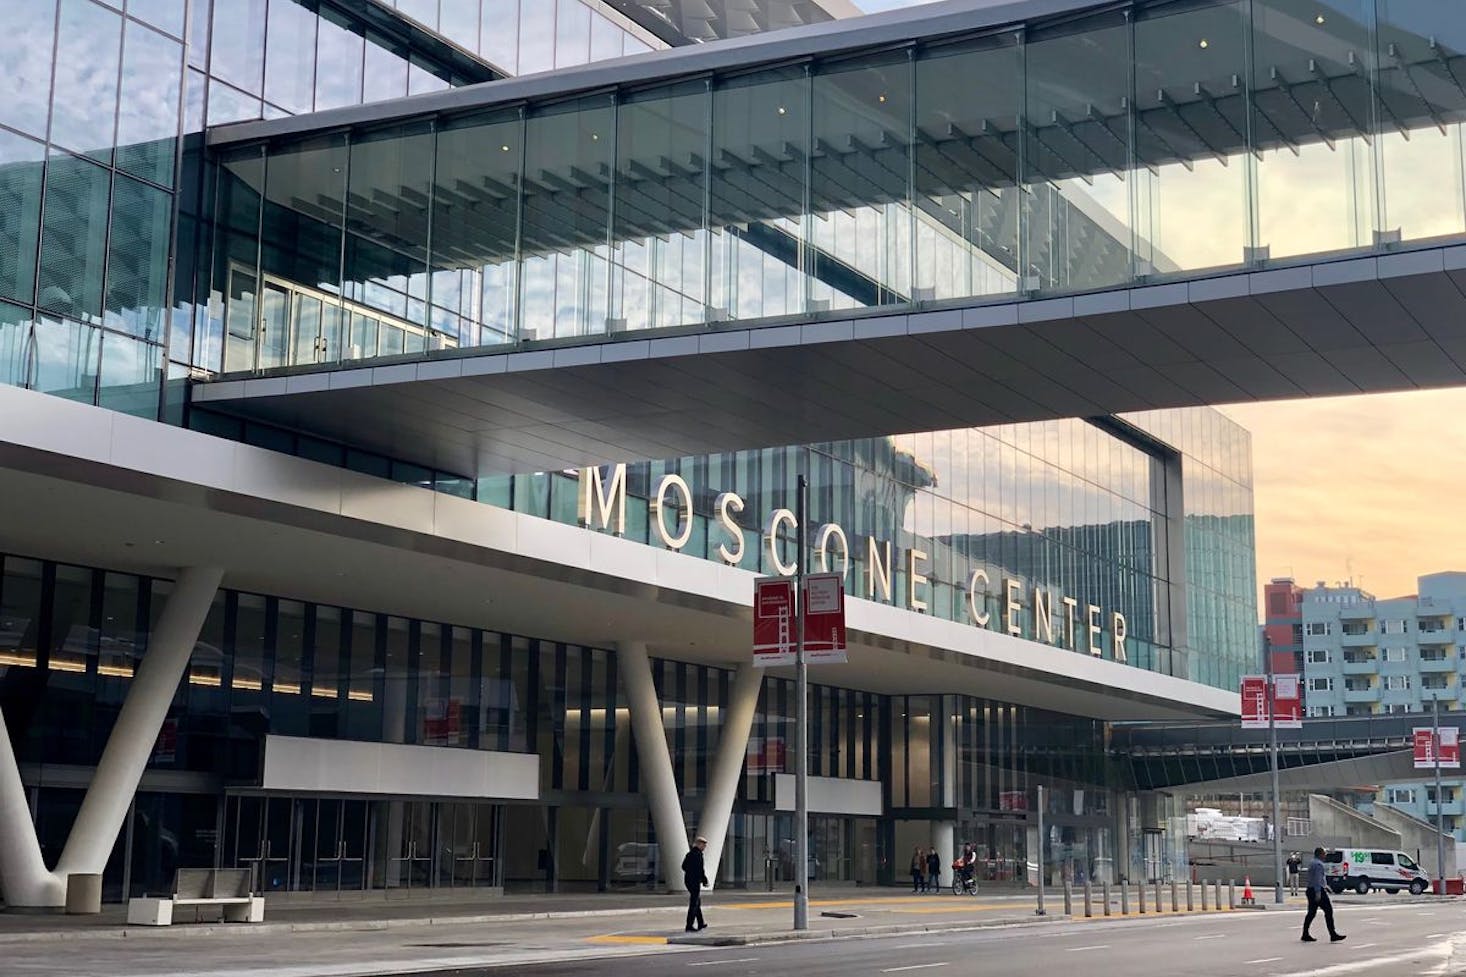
(655, 760)
(717, 808)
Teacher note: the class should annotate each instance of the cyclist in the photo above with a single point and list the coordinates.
(963, 869)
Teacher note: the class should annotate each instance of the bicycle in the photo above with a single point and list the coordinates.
(964, 885)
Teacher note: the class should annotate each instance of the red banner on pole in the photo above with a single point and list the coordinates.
(824, 618)
(1426, 748)
(773, 621)
(1286, 701)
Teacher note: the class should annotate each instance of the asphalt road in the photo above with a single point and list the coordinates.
(1404, 939)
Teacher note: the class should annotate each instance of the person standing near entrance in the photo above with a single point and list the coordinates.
(918, 870)
(934, 870)
(1318, 898)
(1295, 865)
(694, 877)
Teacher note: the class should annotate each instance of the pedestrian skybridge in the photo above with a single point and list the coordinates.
(962, 213)
(1326, 753)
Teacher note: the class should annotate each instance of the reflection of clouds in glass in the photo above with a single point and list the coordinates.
(25, 63)
(87, 51)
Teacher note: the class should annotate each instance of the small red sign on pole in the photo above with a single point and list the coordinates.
(1286, 701)
(824, 618)
(773, 621)
(1426, 748)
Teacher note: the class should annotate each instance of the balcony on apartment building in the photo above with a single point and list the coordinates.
(1361, 692)
(1360, 636)
(1451, 805)
(1366, 663)
(1438, 660)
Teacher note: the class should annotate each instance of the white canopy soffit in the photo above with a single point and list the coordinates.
(109, 490)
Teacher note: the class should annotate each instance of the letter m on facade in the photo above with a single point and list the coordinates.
(602, 506)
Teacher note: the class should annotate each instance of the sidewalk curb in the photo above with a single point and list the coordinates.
(337, 926)
(890, 929)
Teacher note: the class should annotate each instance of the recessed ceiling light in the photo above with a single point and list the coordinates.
(504, 148)
(1318, 19)
(782, 110)
(1204, 43)
(883, 98)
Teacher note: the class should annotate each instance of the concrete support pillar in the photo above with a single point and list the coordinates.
(24, 880)
(655, 759)
(944, 840)
(132, 739)
(737, 723)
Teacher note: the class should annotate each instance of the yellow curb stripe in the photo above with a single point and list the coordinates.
(786, 904)
(613, 938)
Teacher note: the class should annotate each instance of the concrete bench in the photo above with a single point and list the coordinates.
(227, 888)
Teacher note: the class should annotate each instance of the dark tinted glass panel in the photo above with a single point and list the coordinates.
(130, 375)
(290, 57)
(137, 266)
(20, 214)
(387, 230)
(305, 198)
(84, 104)
(338, 63)
(238, 38)
(147, 118)
(25, 63)
(73, 241)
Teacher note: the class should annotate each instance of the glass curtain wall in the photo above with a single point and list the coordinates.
(1136, 144)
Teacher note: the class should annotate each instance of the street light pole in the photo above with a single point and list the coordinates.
(1272, 736)
(1435, 749)
(801, 728)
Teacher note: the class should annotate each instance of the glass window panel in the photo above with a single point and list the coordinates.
(387, 228)
(66, 359)
(200, 18)
(20, 214)
(20, 612)
(1190, 137)
(760, 143)
(84, 103)
(15, 345)
(137, 259)
(130, 375)
(339, 59)
(1422, 106)
(25, 63)
(659, 272)
(164, 14)
(237, 255)
(859, 182)
(305, 188)
(967, 169)
(572, 33)
(1077, 217)
(458, 21)
(537, 36)
(424, 77)
(568, 148)
(238, 44)
(475, 220)
(147, 121)
(425, 12)
(605, 38)
(74, 238)
(230, 105)
(499, 34)
(386, 71)
(290, 57)
(1310, 113)
(248, 658)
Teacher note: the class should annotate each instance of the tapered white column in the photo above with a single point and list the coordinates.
(136, 732)
(717, 808)
(24, 880)
(943, 840)
(655, 760)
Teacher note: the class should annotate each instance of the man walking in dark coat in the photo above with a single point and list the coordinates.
(1318, 898)
(695, 877)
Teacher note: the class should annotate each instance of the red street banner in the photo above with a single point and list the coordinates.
(773, 621)
(1287, 702)
(1425, 748)
(824, 618)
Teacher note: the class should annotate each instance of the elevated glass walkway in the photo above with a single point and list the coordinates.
(981, 158)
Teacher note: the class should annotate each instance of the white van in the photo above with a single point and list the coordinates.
(1363, 869)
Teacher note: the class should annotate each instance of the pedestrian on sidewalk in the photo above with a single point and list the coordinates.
(934, 870)
(695, 877)
(1318, 898)
(1295, 865)
(918, 870)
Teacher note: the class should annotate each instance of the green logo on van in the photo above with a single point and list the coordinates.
(1360, 857)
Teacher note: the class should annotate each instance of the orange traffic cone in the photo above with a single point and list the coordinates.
(1247, 899)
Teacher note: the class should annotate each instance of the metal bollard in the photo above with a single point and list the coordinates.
(1216, 894)
(1105, 895)
(1140, 894)
(1124, 898)
(1204, 885)
(1068, 898)
(1175, 904)
(1231, 893)
(1158, 896)
(1088, 899)
(1190, 903)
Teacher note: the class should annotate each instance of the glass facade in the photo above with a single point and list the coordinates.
(1148, 142)
(71, 639)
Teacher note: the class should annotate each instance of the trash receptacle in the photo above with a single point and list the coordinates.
(83, 894)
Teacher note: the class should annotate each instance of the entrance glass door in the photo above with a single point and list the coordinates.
(406, 843)
(468, 845)
(274, 327)
(264, 831)
(340, 847)
(307, 345)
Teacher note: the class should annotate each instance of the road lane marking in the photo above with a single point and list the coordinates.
(614, 938)
(1441, 953)
(1076, 949)
(1211, 936)
(918, 946)
(1365, 946)
(719, 963)
(1435, 936)
(1264, 960)
(918, 966)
